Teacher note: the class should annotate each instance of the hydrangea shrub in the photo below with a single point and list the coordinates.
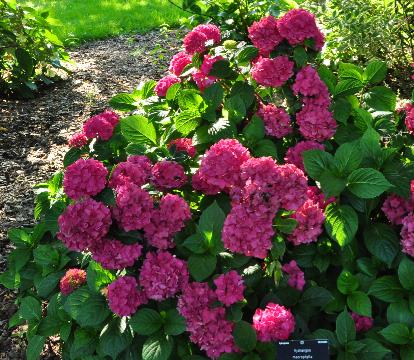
(249, 196)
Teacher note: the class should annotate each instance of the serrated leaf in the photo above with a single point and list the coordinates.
(244, 336)
(387, 288)
(139, 130)
(398, 334)
(157, 347)
(367, 183)
(360, 303)
(316, 162)
(146, 322)
(201, 266)
(382, 242)
(341, 223)
(375, 71)
(187, 121)
(345, 328)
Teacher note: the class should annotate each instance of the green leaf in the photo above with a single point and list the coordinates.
(45, 255)
(173, 91)
(245, 91)
(45, 285)
(139, 130)
(327, 77)
(210, 225)
(10, 279)
(375, 71)
(381, 98)
(213, 96)
(331, 184)
(86, 307)
(254, 130)
(146, 322)
(18, 258)
(341, 223)
(235, 108)
(347, 283)
(345, 328)
(187, 121)
(196, 243)
(71, 156)
(35, 347)
(373, 350)
(123, 102)
(398, 334)
(382, 242)
(387, 288)
(84, 343)
(157, 347)
(246, 54)
(399, 312)
(360, 303)
(316, 162)
(342, 109)
(407, 352)
(265, 147)
(49, 326)
(348, 157)
(189, 100)
(348, 87)
(98, 277)
(317, 296)
(244, 336)
(201, 266)
(367, 183)
(115, 338)
(20, 237)
(222, 70)
(65, 331)
(30, 308)
(350, 71)
(285, 225)
(300, 56)
(174, 323)
(406, 273)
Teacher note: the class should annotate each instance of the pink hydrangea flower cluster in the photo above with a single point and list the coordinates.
(298, 25)
(397, 208)
(294, 154)
(84, 178)
(409, 118)
(101, 126)
(199, 183)
(276, 120)
(207, 326)
(313, 193)
(124, 296)
(114, 255)
(83, 224)
(229, 288)
(362, 323)
(315, 120)
(265, 35)
(73, 279)
(134, 207)
(136, 170)
(78, 140)
(202, 77)
(272, 72)
(167, 174)
(166, 221)
(220, 165)
(310, 218)
(165, 83)
(407, 234)
(196, 40)
(296, 276)
(248, 232)
(274, 323)
(162, 275)
(183, 145)
(178, 62)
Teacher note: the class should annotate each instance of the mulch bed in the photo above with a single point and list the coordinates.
(33, 135)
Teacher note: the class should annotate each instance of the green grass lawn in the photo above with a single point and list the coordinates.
(80, 20)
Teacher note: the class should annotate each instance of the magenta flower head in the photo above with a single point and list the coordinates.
(298, 25)
(84, 178)
(183, 145)
(265, 35)
(178, 62)
(114, 255)
(73, 279)
(83, 224)
(272, 72)
(168, 175)
(162, 275)
(78, 140)
(397, 208)
(273, 323)
(124, 296)
(296, 276)
(276, 120)
(229, 288)
(294, 155)
(165, 83)
(407, 235)
(362, 323)
(137, 173)
(101, 126)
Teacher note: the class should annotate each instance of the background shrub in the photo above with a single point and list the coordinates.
(30, 53)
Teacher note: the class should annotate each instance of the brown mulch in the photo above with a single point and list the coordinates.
(33, 135)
